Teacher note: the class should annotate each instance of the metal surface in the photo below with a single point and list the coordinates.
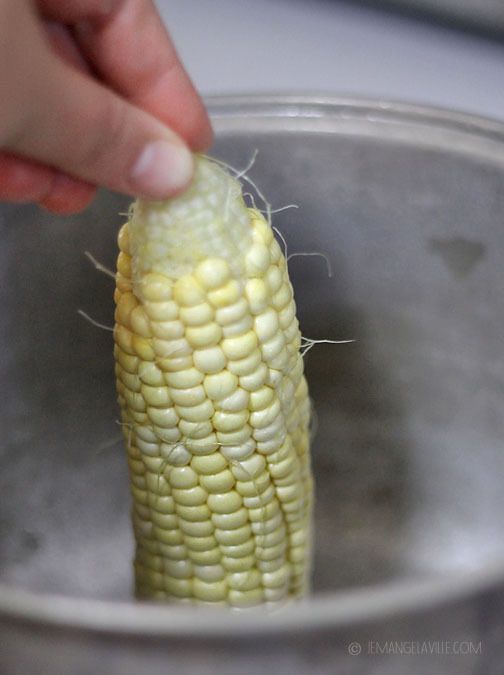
(407, 203)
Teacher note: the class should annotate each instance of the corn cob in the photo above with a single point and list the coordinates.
(214, 402)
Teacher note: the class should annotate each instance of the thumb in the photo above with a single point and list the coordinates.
(70, 121)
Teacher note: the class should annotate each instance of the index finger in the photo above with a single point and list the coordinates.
(130, 48)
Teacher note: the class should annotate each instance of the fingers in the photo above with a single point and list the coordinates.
(24, 181)
(130, 48)
(65, 119)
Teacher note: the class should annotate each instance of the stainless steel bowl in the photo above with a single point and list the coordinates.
(407, 203)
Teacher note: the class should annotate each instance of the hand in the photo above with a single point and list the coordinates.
(93, 94)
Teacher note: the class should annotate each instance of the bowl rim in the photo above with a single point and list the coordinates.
(340, 609)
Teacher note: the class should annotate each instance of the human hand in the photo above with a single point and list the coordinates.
(93, 94)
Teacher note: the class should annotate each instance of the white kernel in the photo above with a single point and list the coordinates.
(260, 500)
(240, 564)
(143, 348)
(272, 347)
(235, 402)
(248, 468)
(229, 421)
(193, 513)
(225, 502)
(263, 418)
(204, 336)
(283, 296)
(274, 278)
(128, 362)
(139, 322)
(183, 477)
(239, 550)
(261, 398)
(210, 592)
(163, 417)
(156, 287)
(199, 528)
(209, 464)
(176, 364)
(266, 324)
(237, 328)
(235, 437)
(162, 311)
(209, 573)
(250, 488)
(147, 448)
(210, 360)
(202, 446)
(176, 552)
(135, 400)
(195, 430)
(220, 385)
(171, 348)
(287, 315)
(198, 315)
(212, 272)
(262, 513)
(232, 313)
(254, 596)
(267, 526)
(275, 378)
(218, 482)
(200, 543)
(145, 434)
(179, 569)
(234, 537)
(239, 347)
(196, 413)
(183, 379)
(191, 497)
(256, 379)
(188, 397)
(130, 381)
(176, 455)
(168, 330)
(247, 365)
(157, 397)
(230, 521)
(150, 374)
(188, 292)
(257, 295)
(276, 429)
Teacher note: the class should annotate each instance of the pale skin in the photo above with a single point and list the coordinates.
(93, 94)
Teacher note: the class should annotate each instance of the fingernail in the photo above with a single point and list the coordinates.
(161, 170)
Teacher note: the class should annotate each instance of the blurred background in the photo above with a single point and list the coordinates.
(446, 53)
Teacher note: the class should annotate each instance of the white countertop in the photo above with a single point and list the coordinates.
(329, 47)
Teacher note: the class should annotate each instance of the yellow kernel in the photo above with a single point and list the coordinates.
(188, 397)
(220, 385)
(168, 330)
(183, 477)
(263, 513)
(175, 455)
(210, 556)
(123, 238)
(225, 295)
(204, 336)
(176, 364)
(261, 230)
(244, 581)
(127, 362)
(191, 497)
(176, 552)
(124, 264)
(163, 417)
(209, 573)
(283, 296)
(272, 347)
(139, 322)
(257, 260)
(199, 528)
(239, 550)
(224, 502)
(156, 287)
(150, 374)
(238, 452)
(287, 315)
(229, 421)
(247, 365)
(123, 310)
(209, 464)
(260, 499)
(261, 398)
(197, 315)
(271, 552)
(183, 379)
(196, 413)
(212, 272)
(130, 381)
(230, 521)
(171, 348)
(164, 504)
(234, 537)
(145, 433)
(210, 592)
(124, 339)
(270, 565)
(239, 347)
(249, 598)
(178, 569)
(157, 397)
(135, 400)
(230, 314)
(180, 588)
(168, 521)
(255, 379)
(240, 564)
(218, 482)
(238, 437)
(283, 468)
(143, 348)
(187, 291)
(193, 513)
(235, 402)
(162, 311)
(257, 295)
(249, 468)
(209, 360)
(266, 324)
(274, 278)
(200, 543)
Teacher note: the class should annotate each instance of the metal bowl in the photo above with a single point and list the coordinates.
(407, 204)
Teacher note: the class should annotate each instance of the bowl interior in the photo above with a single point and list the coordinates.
(408, 452)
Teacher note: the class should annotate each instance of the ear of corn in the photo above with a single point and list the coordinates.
(214, 402)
